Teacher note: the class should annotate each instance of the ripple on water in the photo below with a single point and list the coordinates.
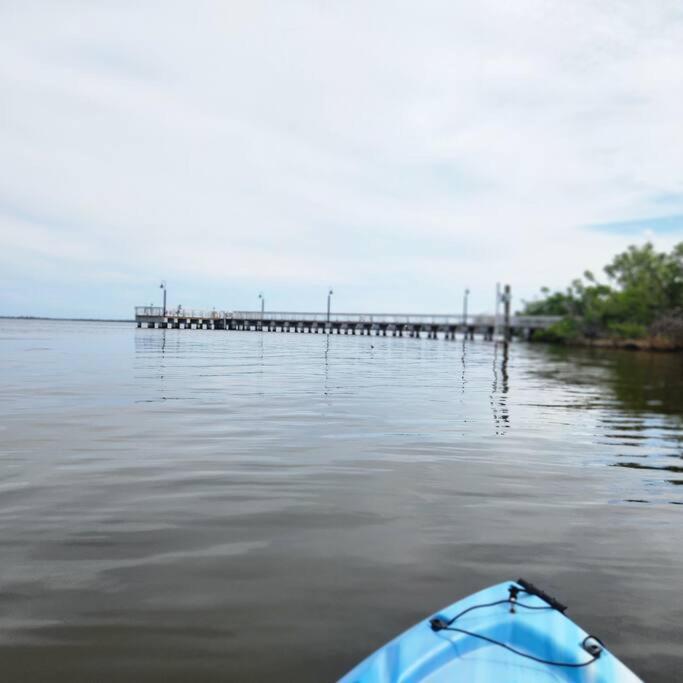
(169, 497)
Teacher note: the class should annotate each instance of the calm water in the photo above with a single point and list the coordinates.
(205, 505)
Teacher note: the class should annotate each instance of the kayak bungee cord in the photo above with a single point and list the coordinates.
(593, 648)
(549, 662)
(508, 601)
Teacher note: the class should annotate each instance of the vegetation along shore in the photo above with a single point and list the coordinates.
(640, 306)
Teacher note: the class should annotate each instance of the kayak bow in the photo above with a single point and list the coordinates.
(509, 633)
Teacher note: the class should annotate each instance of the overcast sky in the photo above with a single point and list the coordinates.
(398, 151)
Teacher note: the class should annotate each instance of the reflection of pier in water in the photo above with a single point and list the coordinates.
(499, 389)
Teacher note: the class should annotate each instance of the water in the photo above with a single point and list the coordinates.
(237, 506)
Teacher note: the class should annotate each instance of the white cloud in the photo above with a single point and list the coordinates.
(400, 152)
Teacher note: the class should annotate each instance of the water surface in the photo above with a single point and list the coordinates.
(205, 505)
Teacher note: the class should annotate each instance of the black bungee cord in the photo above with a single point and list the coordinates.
(595, 649)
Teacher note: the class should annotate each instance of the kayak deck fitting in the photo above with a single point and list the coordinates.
(510, 633)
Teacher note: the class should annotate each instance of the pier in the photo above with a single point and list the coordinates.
(379, 324)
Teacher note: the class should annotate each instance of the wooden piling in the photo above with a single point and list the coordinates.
(507, 298)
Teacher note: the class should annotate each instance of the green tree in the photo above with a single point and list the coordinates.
(644, 286)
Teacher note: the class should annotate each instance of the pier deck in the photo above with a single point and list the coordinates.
(392, 324)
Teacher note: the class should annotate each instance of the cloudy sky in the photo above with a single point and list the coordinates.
(398, 151)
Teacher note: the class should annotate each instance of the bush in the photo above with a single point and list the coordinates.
(563, 331)
(627, 330)
(669, 326)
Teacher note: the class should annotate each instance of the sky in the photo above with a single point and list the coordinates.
(398, 152)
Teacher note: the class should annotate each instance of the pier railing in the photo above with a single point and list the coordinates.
(529, 321)
(149, 311)
(194, 313)
(385, 318)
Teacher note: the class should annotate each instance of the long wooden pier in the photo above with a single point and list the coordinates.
(384, 324)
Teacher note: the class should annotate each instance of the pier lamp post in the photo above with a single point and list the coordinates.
(329, 297)
(163, 286)
(464, 308)
(263, 303)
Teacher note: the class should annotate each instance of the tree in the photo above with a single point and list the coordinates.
(654, 277)
(645, 286)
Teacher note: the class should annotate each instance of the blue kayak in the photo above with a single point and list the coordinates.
(509, 633)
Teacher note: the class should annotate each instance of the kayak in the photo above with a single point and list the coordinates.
(510, 633)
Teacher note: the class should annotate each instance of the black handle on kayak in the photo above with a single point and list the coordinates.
(530, 588)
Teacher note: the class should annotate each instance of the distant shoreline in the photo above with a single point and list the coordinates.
(76, 320)
(649, 343)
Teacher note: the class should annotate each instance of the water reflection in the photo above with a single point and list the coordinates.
(498, 398)
(637, 400)
(463, 363)
(326, 363)
(640, 382)
(639, 466)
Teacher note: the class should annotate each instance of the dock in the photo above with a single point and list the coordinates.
(379, 324)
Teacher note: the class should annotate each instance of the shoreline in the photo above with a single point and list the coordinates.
(652, 343)
(77, 320)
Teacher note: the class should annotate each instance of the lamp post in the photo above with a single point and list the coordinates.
(263, 303)
(329, 297)
(464, 309)
(163, 286)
